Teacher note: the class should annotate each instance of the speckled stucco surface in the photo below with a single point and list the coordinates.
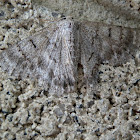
(28, 112)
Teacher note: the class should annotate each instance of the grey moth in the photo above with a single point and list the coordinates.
(52, 56)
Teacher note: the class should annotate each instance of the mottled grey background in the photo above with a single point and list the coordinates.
(28, 112)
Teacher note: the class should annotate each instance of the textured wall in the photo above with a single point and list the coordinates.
(105, 112)
(116, 12)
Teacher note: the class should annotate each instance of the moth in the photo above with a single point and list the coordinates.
(52, 56)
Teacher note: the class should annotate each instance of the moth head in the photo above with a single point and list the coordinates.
(66, 24)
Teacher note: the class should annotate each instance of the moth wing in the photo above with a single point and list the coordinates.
(20, 60)
(47, 57)
(110, 44)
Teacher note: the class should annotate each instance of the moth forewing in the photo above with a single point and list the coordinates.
(46, 57)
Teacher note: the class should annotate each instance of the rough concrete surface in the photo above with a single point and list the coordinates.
(111, 112)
